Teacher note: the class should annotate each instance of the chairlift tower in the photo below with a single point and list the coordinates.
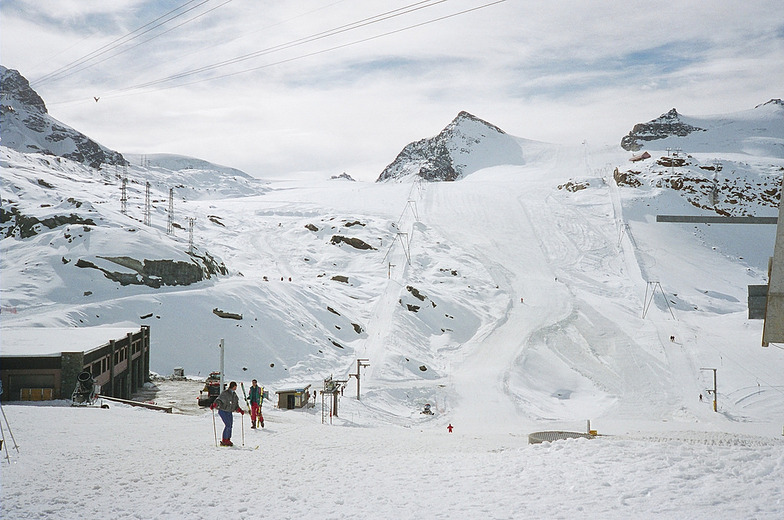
(170, 222)
(124, 196)
(361, 363)
(411, 204)
(403, 237)
(333, 387)
(147, 219)
(190, 234)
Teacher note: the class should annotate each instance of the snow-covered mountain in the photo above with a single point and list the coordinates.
(61, 184)
(757, 132)
(466, 145)
(537, 289)
(532, 293)
(26, 126)
(174, 162)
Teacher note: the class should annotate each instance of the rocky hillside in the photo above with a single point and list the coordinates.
(26, 126)
(666, 125)
(756, 132)
(466, 145)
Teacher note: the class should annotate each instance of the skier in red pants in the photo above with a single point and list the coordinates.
(255, 396)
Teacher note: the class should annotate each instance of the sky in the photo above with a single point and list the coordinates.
(275, 88)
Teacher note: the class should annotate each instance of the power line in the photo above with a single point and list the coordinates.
(294, 43)
(189, 20)
(125, 91)
(117, 42)
(306, 55)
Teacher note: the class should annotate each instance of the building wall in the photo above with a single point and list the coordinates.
(14, 381)
(120, 368)
(300, 398)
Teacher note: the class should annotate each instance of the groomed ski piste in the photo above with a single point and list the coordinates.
(533, 313)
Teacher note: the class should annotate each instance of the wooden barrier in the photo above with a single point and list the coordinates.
(167, 409)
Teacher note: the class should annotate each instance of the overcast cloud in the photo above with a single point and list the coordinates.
(308, 90)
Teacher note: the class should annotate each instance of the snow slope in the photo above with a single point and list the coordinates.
(133, 463)
(522, 297)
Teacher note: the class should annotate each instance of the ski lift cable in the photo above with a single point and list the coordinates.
(281, 22)
(730, 358)
(87, 66)
(119, 41)
(345, 45)
(115, 43)
(293, 43)
(128, 90)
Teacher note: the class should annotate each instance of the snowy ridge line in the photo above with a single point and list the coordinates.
(701, 438)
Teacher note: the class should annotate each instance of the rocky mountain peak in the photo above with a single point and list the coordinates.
(464, 118)
(17, 93)
(465, 145)
(666, 125)
(26, 126)
(775, 102)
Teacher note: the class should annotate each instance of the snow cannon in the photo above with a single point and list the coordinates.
(84, 393)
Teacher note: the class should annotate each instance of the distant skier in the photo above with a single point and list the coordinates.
(255, 395)
(226, 403)
(450, 427)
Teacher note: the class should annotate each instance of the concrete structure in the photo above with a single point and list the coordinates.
(716, 219)
(41, 363)
(773, 330)
(293, 398)
(757, 301)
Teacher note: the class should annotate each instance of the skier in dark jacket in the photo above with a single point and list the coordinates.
(227, 403)
(255, 396)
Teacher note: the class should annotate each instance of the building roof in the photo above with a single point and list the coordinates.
(293, 390)
(53, 341)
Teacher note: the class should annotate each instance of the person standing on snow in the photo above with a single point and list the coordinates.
(227, 403)
(255, 396)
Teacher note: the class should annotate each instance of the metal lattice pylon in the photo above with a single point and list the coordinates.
(170, 222)
(124, 196)
(147, 219)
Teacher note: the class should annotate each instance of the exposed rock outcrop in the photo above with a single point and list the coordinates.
(26, 126)
(664, 126)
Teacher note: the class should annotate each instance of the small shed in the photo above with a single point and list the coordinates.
(293, 398)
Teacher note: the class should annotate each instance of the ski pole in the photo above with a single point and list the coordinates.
(214, 429)
(4, 444)
(242, 422)
(16, 446)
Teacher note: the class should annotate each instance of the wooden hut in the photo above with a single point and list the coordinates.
(293, 398)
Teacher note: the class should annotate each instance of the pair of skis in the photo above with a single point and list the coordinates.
(260, 417)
